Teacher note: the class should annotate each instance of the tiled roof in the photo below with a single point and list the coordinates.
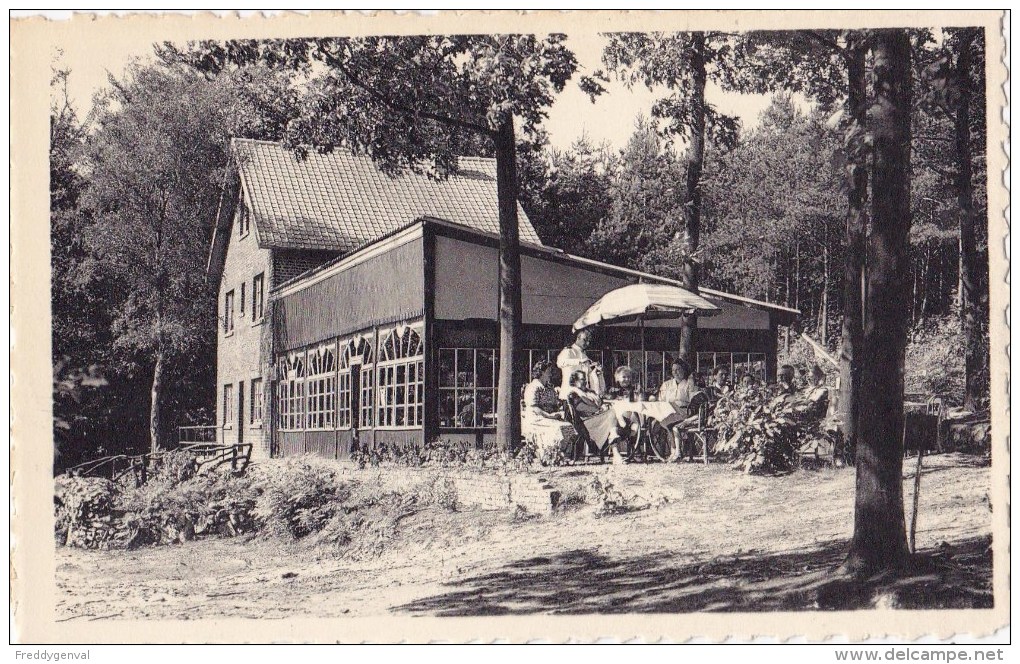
(340, 201)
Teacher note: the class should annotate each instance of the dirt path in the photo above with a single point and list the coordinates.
(710, 539)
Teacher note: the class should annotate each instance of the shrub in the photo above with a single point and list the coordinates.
(85, 511)
(297, 497)
(441, 492)
(455, 454)
(175, 467)
(761, 433)
(167, 509)
(935, 359)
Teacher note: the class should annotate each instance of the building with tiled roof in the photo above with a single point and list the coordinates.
(338, 202)
(357, 309)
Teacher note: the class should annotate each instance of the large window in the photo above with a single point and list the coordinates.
(228, 405)
(738, 364)
(228, 312)
(257, 297)
(401, 378)
(321, 382)
(292, 391)
(467, 387)
(354, 383)
(257, 402)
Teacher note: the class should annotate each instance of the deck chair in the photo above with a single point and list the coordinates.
(584, 448)
(696, 429)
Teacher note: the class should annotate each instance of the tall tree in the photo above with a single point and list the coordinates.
(408, 102)
(965, 45)
(773, 207)
(570, 198)
(879, 541)
(153, 187)
(644, 208)
(829, 67)
(852, 337)
(682, 63)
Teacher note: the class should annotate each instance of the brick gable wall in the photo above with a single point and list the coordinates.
(245, 354)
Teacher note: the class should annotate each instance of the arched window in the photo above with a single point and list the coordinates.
(401, 377)
(355, 373)
(291, 368)
(321, 410)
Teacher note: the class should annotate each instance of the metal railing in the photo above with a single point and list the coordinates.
(196, 434)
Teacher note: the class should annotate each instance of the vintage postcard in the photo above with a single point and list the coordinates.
(475, 326)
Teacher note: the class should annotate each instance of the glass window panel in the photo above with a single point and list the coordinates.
(447, 408)
(465, 408)
(485, 367)
(465, 368)
(486, 407)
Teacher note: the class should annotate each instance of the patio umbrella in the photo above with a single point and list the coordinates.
(643, 302)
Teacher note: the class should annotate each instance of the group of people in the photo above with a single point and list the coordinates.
(810, 395)
(551, 412)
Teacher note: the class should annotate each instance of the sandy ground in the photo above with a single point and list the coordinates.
(704, 538)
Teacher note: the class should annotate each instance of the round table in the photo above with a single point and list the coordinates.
(656, 438)
(661, 411)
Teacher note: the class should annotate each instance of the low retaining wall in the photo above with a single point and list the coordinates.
(493, 492)
(480, 490)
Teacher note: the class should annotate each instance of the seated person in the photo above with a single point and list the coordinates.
(814, 403)
(625, 387)
(785, 385)
(720, 385)
(679, 389)
(542, 416)
(747, 383)
(597, 418)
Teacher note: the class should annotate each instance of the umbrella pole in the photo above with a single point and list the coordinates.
(644, 365)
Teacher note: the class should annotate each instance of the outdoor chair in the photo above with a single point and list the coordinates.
(698, 434)
(584, 447)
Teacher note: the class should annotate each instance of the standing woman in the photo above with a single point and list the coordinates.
(573, 358)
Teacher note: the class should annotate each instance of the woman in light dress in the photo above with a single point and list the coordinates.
(542, 419)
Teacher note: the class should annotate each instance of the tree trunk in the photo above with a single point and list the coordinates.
(939, 281)
(853, 261)
(824, 318)
(924, 279)
(970, 295)
(913, 296)
(880, 539)
(692, 206)
(508, 405)
(156, 403)
(796, 279)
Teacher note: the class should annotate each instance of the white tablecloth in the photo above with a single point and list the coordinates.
(662, 411)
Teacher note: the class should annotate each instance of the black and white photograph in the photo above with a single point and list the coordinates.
(635, 320)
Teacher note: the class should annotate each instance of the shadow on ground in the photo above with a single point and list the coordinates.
(585, 581)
